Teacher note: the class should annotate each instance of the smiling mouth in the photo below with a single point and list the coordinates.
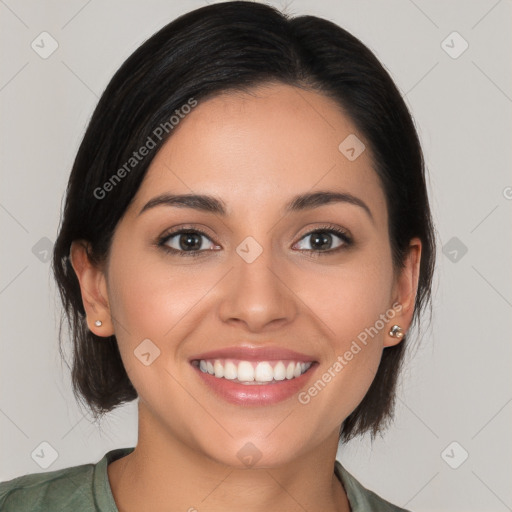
(253, 372)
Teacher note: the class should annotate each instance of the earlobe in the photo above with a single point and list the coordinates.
(404, 293)
(93, 289)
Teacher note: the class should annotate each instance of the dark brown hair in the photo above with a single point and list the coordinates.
(211, 50)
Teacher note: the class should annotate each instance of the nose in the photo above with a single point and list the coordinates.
(258, 294)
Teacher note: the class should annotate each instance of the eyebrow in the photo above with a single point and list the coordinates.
(211, 204)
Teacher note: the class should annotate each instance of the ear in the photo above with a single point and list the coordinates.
(404, 292)
(93, 286)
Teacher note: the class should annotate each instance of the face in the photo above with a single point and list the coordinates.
(298, 298)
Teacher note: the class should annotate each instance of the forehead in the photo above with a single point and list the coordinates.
(258, 148)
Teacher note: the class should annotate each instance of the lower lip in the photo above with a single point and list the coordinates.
(256, 394)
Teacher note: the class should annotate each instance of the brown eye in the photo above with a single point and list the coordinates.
(324, 240)
(185, 242)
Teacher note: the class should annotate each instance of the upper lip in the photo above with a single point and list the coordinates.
(248, 353)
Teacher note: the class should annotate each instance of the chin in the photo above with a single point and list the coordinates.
(254, 453)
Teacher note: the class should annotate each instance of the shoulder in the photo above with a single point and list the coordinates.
(360, 498)
(83, 488)
(57, 490)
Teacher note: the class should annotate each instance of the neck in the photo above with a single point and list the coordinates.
(165, 473)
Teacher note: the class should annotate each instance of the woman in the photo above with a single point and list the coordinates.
(246, 242)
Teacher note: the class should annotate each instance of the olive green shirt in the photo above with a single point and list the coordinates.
(86, 488)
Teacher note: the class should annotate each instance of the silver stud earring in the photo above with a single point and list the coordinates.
(98, 323)
(396, 332)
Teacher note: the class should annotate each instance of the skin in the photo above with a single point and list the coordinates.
(254, 151)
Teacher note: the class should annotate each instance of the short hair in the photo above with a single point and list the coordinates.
(236, 46)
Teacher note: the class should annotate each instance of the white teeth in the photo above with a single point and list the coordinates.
(264, 372)
(248, 372)
(219, 369)
(230, 370)
(245, 371)
(279, 371)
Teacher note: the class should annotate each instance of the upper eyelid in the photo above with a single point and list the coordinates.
(178, 231)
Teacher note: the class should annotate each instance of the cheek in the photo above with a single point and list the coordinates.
(353, 302)
(351, 297)
(149, 300)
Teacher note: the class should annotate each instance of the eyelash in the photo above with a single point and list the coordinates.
(343, 235)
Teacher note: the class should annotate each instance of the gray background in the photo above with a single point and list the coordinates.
(456, 385)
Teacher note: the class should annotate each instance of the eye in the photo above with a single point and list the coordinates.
(321, 240)
(185, 242)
